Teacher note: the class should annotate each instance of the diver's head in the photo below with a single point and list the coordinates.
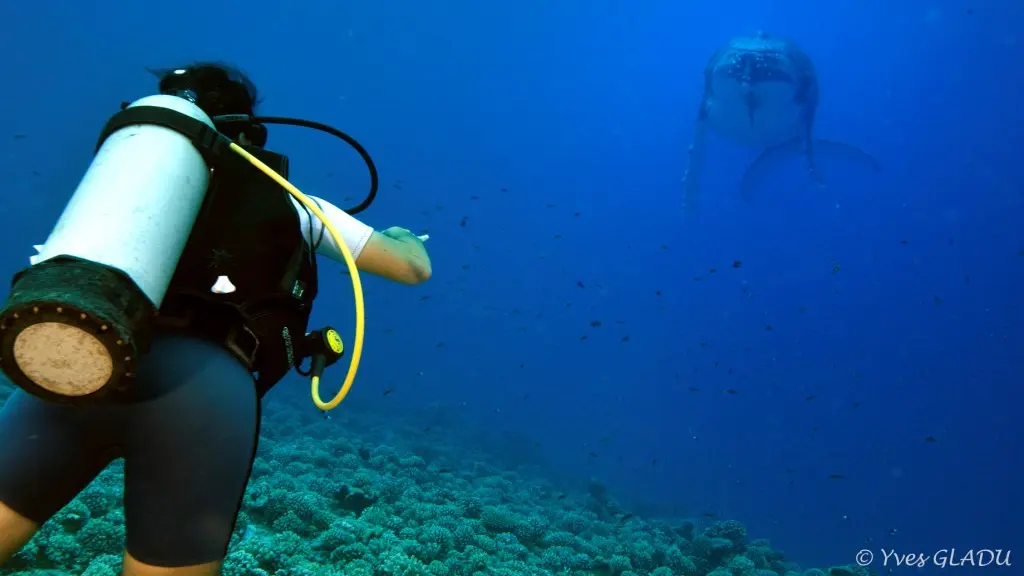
(219, 90)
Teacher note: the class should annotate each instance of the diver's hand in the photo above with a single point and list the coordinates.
(403, 235)
(397, 254)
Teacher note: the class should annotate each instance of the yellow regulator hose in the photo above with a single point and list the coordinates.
(350, 262)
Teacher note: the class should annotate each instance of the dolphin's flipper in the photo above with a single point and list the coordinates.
(835, 149)
(812, 166)
(770, 158)
(695, 164)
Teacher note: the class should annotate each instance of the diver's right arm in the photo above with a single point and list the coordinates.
(396, 253)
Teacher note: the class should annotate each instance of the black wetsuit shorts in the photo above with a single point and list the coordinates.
(188, 438)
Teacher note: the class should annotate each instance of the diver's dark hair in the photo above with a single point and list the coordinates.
(219, 88)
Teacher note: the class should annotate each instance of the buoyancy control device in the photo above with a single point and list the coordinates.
(78, 321)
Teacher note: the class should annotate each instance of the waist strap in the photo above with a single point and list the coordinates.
(220, 328)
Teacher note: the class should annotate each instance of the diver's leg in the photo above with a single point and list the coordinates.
(49, 453)
(189, 451)
(133, 567)
(15, 531)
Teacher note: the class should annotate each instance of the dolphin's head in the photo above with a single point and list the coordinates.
(752, 60)
(764, 74)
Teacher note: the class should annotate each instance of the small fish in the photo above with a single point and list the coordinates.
(931, 439)
(736, 263)
(730, 391)
(388, 391)
(709, 515)
(444, 470)
(364, 453)
(836, 476)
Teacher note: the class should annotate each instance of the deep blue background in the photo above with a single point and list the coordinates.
(894, 299)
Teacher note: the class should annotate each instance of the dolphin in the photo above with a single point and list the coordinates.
(761, 92)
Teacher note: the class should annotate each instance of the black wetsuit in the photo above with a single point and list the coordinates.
(180, 502)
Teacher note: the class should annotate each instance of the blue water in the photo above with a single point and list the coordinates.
(872, 329)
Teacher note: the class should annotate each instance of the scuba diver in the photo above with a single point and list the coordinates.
(229, 326)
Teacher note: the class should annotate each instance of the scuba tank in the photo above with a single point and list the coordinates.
(77, 321)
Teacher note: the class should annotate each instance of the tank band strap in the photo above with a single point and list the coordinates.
(210, 143)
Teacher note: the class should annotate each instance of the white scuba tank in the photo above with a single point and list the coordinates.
(77, 320)
(136, 205)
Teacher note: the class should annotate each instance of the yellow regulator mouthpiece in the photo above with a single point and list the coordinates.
(334, 341)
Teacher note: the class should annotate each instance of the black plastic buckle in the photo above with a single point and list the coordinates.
(244, 343)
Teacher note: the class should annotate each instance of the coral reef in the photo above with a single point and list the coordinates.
(348, 506)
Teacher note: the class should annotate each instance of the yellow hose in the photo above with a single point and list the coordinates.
(353, 272)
